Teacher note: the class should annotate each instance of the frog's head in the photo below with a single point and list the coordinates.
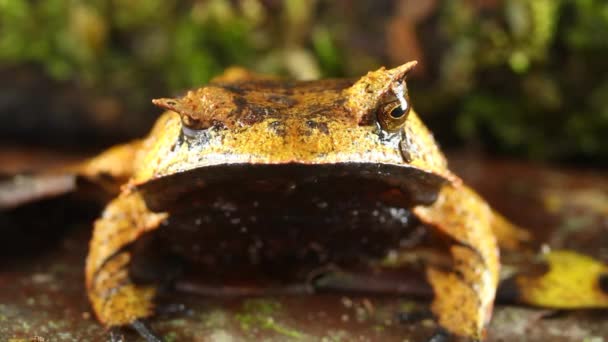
(366, 126)
(238, 100)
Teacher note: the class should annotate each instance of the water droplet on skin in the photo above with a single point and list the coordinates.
(400, 214)
(224, 206)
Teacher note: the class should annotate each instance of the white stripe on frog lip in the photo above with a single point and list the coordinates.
(191, 132)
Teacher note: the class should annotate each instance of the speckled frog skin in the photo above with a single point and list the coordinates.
(254, 170)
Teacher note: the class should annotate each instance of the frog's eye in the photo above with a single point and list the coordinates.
(375, 97)
(392, 115)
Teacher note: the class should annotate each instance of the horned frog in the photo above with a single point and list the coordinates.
(257, 171)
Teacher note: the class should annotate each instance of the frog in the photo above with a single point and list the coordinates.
(255, 170)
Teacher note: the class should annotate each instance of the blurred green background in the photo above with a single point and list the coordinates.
(526, 78)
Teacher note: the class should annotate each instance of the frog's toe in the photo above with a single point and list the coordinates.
(414, 316)
(116, 332)
(116, 335)
(145, 331)
(440, 336)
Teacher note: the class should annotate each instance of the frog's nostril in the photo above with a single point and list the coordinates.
(603, 281)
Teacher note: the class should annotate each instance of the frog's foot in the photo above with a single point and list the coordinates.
(140, 327)
(110, 169)
(116, 299)
(414, 316)
(440, 336)
(116, 335)
(509, 236)
(106, 172)
(464, 294)
(144, 331)
(418, 315)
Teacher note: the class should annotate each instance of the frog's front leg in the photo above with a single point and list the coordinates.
(463, 295)
(117, 301)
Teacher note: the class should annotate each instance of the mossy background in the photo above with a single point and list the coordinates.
(518, 77)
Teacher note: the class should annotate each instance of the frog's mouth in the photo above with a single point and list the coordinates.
(411, 186)
(289, 213)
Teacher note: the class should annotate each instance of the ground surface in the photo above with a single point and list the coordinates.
(42, 295)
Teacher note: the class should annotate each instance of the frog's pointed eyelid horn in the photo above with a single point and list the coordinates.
(184, 111)
(399, 74)
(166, 103)
(367, 94)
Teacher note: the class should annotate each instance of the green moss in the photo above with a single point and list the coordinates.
(328, 53)
(261, 306)
(215, 319)
(261, 314)
(593, 339)
(170, 337)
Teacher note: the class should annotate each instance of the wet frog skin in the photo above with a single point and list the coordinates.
(251, 170)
